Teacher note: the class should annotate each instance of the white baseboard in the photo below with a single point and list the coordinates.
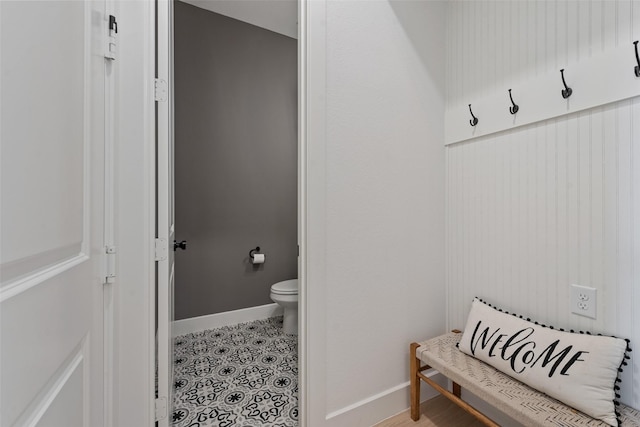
(381, 406)
(202, 323)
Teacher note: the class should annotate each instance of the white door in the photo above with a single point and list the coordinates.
(52, 152)
(165, 209)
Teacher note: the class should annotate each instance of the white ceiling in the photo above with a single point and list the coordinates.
(280, 16)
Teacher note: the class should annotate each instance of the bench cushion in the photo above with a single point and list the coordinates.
(521, 402)
(577, 369)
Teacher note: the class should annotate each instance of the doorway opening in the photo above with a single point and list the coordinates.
(232, 157)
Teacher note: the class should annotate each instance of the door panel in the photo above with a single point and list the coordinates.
(58, 414)
(43, 144)
(51, 212)
(36, 345)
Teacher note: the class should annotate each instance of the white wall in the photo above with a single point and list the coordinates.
(376, 203)
(534, 209)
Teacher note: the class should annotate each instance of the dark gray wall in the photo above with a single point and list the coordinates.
(235, 160)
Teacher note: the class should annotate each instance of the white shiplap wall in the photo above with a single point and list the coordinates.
(534, 209)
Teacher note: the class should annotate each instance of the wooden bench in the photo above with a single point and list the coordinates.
(519, 401)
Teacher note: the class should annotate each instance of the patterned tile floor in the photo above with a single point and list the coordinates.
(237, 376)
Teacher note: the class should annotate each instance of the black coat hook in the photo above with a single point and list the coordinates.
(637, 67)
(474, 121)
(567, 91)
(513, 109)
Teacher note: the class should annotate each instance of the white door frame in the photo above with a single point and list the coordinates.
(312, 212)
(165, 208)
(308, 414)
(134, 292)
(303, 409)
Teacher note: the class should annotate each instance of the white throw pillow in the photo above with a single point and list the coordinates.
(577, 369)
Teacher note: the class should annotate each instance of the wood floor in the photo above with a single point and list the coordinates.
(442, 413)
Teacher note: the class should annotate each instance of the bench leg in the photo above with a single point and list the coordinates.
(456, 389)
(414, 364)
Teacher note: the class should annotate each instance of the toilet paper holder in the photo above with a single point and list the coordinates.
(257, 249)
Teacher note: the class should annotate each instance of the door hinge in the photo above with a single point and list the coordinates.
(110, 276)
(162, 250)
(161, 90)
(111, 48)
(161, 408)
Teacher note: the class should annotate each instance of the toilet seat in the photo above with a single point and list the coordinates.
(287, 287)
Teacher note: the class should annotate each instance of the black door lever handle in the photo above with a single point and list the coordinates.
(182, 245)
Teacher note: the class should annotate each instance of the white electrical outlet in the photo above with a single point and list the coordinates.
(583, 301)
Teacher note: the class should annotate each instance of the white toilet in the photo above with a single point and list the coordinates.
(285, 294)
